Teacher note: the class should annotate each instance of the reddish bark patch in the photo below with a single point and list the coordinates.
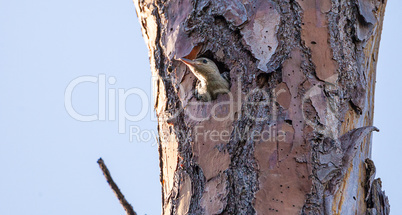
(284, 166)
(316, 38)
(282, 95)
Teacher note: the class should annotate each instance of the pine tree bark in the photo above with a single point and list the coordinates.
(293, 136)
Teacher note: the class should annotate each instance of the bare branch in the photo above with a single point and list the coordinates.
(127, 207)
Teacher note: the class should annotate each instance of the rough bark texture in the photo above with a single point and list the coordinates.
(293, 136)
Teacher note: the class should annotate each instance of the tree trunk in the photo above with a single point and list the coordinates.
(293, 136)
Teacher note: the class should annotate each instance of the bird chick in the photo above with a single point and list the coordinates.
(211, 82)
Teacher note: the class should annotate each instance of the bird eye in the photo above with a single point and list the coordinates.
(205, 61)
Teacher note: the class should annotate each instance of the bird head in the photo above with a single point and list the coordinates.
(202, 65)
(211, 82)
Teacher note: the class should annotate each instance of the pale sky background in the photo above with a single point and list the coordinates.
(48, 159)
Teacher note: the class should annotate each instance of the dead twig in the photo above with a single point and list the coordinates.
(127, 207)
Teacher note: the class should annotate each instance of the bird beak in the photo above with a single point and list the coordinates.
(187, 61)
